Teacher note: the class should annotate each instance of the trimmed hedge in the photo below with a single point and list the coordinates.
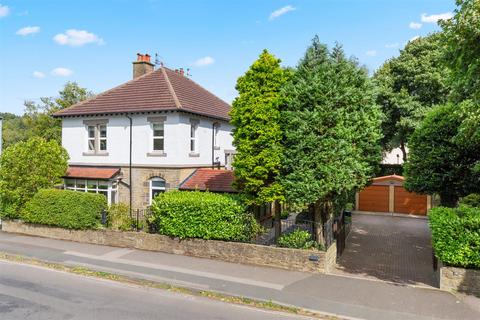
(65, 209)
(456, 235)
(205, 215)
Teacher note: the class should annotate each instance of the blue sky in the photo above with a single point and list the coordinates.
(43, 44)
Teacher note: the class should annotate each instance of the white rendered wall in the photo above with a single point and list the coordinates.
(177, 141)
(394, 157)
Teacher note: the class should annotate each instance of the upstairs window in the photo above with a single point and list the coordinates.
(194, 137)
(96, 136)
(216, 129)
(158, 137)
(157, 146)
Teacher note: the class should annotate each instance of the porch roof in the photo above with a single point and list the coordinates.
(91, 172)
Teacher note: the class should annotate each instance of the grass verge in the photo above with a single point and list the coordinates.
(268, 305)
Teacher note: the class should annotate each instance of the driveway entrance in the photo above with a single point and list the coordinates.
(396, 249)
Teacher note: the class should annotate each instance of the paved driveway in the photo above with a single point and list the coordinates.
(396, 249)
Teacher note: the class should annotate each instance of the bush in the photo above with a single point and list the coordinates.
(65, 209)
(119, 217)
(456, 235)
(204, 215)
(297, 239)
(472, 200)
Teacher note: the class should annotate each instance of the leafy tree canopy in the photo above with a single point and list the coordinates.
(257, 132)
(331, 124)
(408, 86)
(442, 159)
(28, 166)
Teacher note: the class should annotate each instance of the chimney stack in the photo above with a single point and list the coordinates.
(142, 65)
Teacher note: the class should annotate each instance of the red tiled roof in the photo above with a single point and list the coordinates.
(159, 90)
(391, 177)
(91, 173)
(215, 180)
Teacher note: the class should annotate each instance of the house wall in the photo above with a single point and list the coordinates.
(177, 141)
(395, 156)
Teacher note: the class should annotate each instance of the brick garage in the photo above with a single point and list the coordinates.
(387, 194)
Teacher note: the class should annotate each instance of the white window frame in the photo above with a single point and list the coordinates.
(216, 131)
(193, 140)
(152, 187)
(82, 185)
(160, 137)
(97, 139)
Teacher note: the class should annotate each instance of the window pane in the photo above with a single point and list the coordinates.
(158, 129)
(91, 131)
(158, 144)
(192, 131)
(103, 144)
(158, 184)
(91, 184)
(113, 197)
(192, 145)
(103, 131)
(91, 144)
(155, 193)
(81, 184)
(70, 183)
(103, 185)
(105, 193)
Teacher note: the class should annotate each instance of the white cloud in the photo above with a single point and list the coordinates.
(27, 30)
(280, 12)
(371, 53)
(205, 61)
(61, 72)
(392, 45)
(4, 11)
(433, 18)
(415, 25)
(38, 74)
(77, 38)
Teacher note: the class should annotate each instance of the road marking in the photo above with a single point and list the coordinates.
(204, 274)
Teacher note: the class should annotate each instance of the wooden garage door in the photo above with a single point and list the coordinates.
(408, 202)
(374, 198)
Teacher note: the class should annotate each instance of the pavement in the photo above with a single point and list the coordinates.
(31, 292)
(332, 294)
(390, 248)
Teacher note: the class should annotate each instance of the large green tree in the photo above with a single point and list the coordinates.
(462, 49)
(409, 86)
(442, 158)
(26, 167)
(257, 133)
(332, 130)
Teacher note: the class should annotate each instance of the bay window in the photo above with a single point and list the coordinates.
(107, 188)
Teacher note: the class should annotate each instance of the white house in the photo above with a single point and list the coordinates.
(145, 136)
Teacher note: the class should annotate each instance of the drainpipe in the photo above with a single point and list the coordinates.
(130, 163)
(213, 145)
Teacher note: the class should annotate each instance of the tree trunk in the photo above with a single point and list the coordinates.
(318, 223)
(448, 200)
(277, 210)
(404, 151)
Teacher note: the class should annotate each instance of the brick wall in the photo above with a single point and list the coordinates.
(291, 259)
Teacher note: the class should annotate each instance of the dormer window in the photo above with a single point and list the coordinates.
(96, 137)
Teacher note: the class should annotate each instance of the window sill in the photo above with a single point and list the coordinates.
(194, 154)
(95, 154)
(216, 148)
(156, 154)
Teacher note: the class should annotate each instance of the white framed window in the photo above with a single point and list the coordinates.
(216, 130)
(96, 137)
(194, 137)
(158, 136)
(108, 188)
(157, 185)
(229, 157)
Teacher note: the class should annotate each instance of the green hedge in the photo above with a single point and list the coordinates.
(297, 239)
(119, 217)
(456, 235)
(204, 215)
(65, 209)
(472, 200)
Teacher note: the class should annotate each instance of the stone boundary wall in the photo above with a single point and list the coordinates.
(459, 280)
(291, 259)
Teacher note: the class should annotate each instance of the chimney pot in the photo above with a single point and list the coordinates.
(142, 65)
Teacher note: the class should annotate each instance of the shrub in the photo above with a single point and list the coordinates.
(65, 209)
(119, 217)
(472, 200)
(456, 235)
(205, 215)
(297, 239)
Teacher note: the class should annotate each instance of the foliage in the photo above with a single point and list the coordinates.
(472, 200)
(390, 169)
(119, 217)
(456, 235)
(462, 49)
(204, 215)
(27, 167)
(37, 121)
(257, 133)
(297, 239)
(65, 209)
(440, 161)
(332, 127)
(408, 86)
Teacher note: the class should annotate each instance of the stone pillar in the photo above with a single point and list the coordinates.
(391, 198)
